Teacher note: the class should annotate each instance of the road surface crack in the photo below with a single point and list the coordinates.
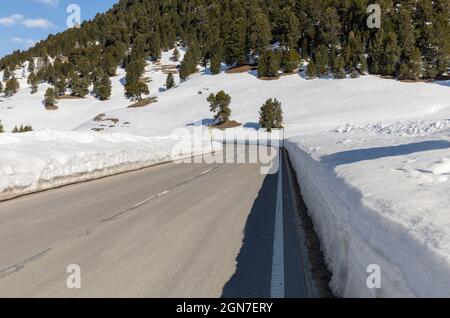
(21, 265)
(157, 196)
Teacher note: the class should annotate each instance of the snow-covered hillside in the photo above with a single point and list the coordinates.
(372, 157)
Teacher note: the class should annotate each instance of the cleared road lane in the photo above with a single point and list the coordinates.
(174, 230)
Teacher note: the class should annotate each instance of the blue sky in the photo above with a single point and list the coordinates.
(22, 22)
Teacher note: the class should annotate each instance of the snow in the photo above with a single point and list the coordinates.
(40, 160)
(372, 157)
(380, 199)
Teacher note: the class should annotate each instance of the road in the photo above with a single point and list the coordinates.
(174, 230)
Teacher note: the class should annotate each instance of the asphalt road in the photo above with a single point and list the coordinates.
(174, 230)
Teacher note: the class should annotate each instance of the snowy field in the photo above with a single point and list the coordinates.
(372, 156)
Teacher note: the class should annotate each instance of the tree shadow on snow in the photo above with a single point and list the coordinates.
(203, 122)
(442, 83)
(252, 125)
(358, 155)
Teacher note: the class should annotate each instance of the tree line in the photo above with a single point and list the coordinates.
(412, 43)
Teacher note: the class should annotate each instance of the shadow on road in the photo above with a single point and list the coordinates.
(254, 263)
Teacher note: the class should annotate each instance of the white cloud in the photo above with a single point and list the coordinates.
(27, 42)
(38, 23)
(53, 3)
(11, 20)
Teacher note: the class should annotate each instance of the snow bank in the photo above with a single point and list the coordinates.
(379, 200)
(401, 128)
(41, 160)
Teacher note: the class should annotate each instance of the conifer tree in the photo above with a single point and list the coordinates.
(338, 67)
(216, 65)
(31, 66)
(34, 88)
(12, 86)
(136, 90)
(189, 63)
(105, 88)
(2, 130)
(170, 81)
(109, 64)
(1, 87)
(235, 42)
(311, 71)
(288, 28)
(426, 40)
(79, 86)
(260, 34)
(321, 60)
(6, 74)
(271, 115)
(61, 86)
(176, 55)
(219, 104)
(50, 97)
(290, 60)
(269, 64)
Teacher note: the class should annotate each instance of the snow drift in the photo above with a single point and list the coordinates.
(46, 159)
(379, 200)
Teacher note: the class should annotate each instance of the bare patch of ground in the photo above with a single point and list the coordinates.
(101, 118)
(266, 78)
(144, 102)
(51, 107)
(241, 69)
(228, 124)
(69, 97)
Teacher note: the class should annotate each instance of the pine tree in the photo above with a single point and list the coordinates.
(260, 34)
(34, 88)
(355, 57)
(426, 40)
(134, 70)
(311, 71)
(170, 81)
(338, 67)
(442, 35)
(32, 80)
(269, 64)
(189, 63)
(406, 38)
(290, 60)
(31, 65)
(1, 87)
(12, 86)
(220, 106)
(6, 74)
(391, 54)
(216, 65)
(109, 64)
(104, 90)
(61, 86)
(321, 60)
(288, 28)
(271, 115)
(136, 90)
(50, 97)
(176, 55)
(412, 68)
(2, 130)
(185, 70)
(235, 42)
(79, 86)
